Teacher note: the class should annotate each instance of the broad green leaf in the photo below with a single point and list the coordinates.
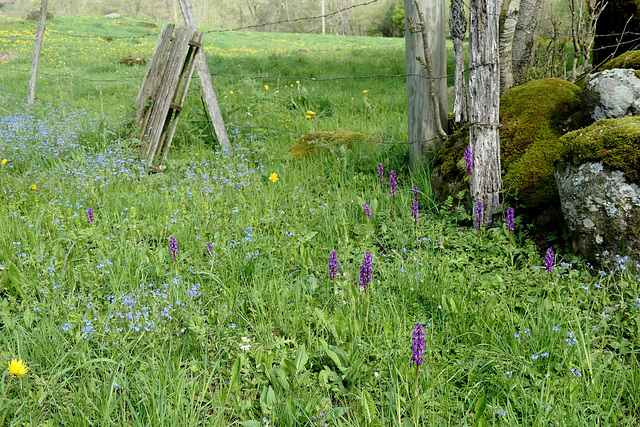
(301, 358)
(235, 372)
(481, 405)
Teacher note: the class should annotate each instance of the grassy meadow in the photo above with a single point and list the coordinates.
(203, 295)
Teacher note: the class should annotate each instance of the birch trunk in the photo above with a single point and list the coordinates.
(484, 106)
(507, 32)
(421, 113)
(524, 37)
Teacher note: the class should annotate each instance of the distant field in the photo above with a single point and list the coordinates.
(78, 54)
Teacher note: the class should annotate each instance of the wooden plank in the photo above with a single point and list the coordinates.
(188, 69)
(150, 87)
(189, 65)
(148, 83)
(211, 100)
(158, 122)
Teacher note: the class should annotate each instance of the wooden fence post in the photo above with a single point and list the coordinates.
(420, 107)
(31, 93)
(213, 108)
(484, 108)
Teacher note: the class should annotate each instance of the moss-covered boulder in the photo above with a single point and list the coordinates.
(614, 142)
(533, 117)
(598, 177)
(318, 142)
(629, 59)
(133, 60)
(34, 15)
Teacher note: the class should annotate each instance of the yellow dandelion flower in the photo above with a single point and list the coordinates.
(311, 113)
(18, 367)
(33, 187)
(365, 91)
(4, 161)
(307, 116)
(273, 177)
(231, 92)
(266, 87)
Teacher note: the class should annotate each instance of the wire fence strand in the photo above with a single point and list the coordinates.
(319, 136)
(336, 78)
(317, 79)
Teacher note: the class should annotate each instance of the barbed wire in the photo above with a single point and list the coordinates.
(466, 70)
(284, 21)
(15, 70)
(549, 30)
(325, 79)
(319, 135)
(98, 36)
(579, 51)
(22, 36)
(338, 78)
(246, 27)
(85, 36)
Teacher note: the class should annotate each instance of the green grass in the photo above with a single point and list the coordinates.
(115, 331)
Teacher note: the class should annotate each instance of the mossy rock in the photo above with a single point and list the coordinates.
(34, 15)
(318, 142)
(449, 175)
(630, 60)
(533, 117)
(133, 60)
(614, 142)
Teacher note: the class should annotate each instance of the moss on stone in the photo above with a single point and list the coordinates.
(533, 117)
(615, 142)
(630, 59)
(317, 142)
(450, 157)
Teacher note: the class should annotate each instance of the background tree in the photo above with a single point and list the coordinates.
(524, 38)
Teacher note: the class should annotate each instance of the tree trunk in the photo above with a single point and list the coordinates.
(31, 92)
(458, 28)
(524, 37)
(484, 106)
(508, 25)
(421, 113)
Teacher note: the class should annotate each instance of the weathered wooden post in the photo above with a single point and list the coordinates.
(31, 93)
(458, 28)
(213, 108)
(484, 107)
(420, 106)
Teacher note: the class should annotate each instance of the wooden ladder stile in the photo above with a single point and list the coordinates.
(164, 90)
